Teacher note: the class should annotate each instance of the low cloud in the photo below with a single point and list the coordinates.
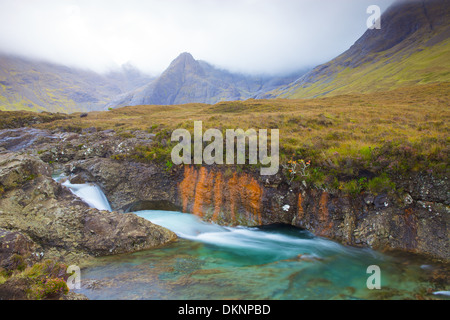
(252, 36)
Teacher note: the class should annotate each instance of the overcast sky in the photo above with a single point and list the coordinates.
(252, 36)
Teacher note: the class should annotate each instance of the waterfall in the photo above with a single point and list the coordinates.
(88, 192)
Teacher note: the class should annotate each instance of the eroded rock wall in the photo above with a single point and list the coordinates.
(224, 196)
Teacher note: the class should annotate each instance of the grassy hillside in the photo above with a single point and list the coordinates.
(349, 139)
(40, 86)
(425, 66)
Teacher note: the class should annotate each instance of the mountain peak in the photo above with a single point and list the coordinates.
(185, 64)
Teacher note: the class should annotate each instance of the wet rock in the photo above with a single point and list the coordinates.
(81, 178)
(381, 201)
(92, 284)
(74, 296)
(369, 199)
(22, 138)
(77, 179)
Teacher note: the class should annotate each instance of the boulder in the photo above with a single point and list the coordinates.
(37, 212)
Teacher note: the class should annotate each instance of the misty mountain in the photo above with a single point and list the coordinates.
(42, 86)
(187, 80)
(412, 47)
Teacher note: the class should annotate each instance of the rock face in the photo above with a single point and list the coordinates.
(14, 244)
(128, 184)
(415, 221)
(378, 221)
(50, 222)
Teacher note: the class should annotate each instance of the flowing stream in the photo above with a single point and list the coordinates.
(209, 261)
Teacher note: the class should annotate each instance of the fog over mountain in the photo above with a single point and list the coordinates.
(250, 36)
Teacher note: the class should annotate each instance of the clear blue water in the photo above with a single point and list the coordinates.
(209, 261)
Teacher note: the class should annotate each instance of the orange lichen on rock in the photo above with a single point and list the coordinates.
(233, 195)
(208, 192)
(251, 196)
(187, 186)
(218, 185)
(410, 230)
(301, 212)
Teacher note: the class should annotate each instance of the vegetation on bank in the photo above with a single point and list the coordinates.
(352, 143)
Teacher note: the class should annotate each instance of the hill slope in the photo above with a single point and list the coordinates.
(412, 47)
(41, 86)
(187, 80)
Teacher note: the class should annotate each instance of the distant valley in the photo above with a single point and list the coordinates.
(191, 81)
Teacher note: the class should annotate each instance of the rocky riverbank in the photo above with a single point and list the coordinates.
(38, 215)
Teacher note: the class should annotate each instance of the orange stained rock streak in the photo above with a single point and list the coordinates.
(187, 186)
(252, 193)
(233, 194)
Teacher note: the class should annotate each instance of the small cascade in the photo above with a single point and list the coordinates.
(88, 192)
